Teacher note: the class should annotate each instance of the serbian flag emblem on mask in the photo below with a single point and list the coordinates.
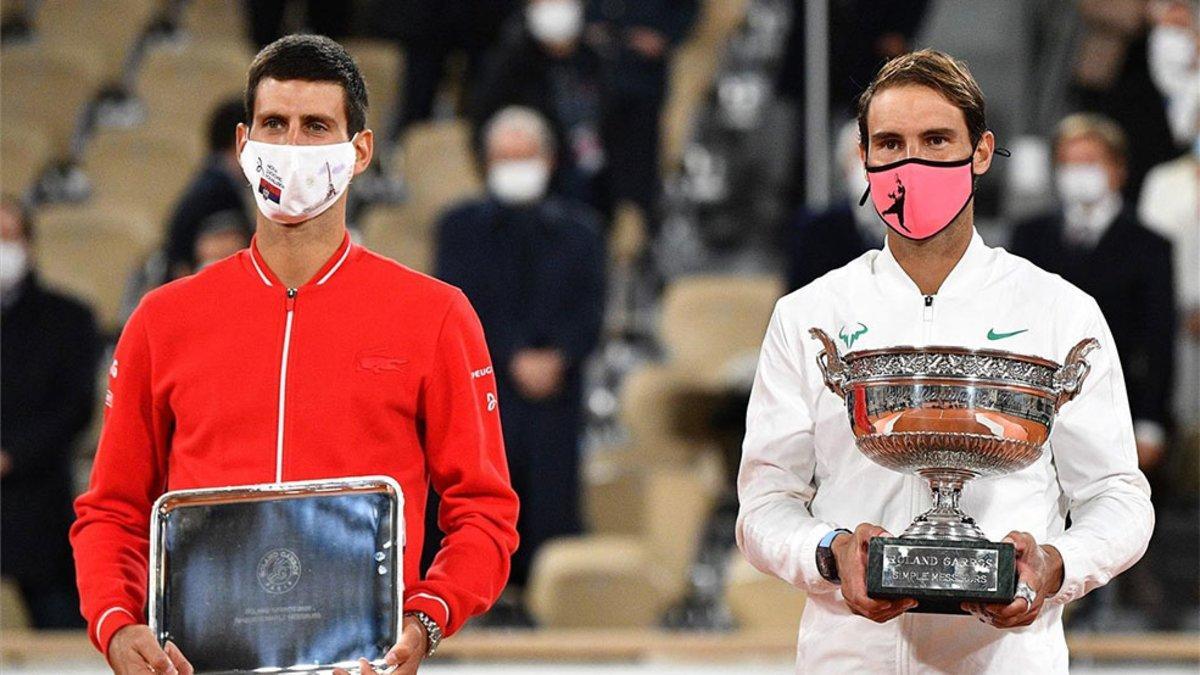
(269, 190)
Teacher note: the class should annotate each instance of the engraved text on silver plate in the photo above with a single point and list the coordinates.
(937, 567)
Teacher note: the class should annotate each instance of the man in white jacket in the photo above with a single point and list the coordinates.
(806, 492)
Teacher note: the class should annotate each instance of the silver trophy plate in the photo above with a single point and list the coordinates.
(280, 577)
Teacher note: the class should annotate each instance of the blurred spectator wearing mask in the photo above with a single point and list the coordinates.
(1096, 242)
(219, 188)
(1112, 76)
(1170, 203)
(546, 66)
(829, 239)
(636, 40)
(533, 267)
(1173, 52)
(50, 352)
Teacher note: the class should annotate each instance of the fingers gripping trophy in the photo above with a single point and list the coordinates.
(948, 415)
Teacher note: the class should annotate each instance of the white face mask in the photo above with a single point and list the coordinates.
(555, 21)
(14, 262)
(1082, 183)
(518, 181)
(1171, 53)
(294, 183)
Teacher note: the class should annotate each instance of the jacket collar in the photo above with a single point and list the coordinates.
(968, 275)
(255, 265)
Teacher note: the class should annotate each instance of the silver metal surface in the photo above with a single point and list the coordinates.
(1026, 593)
(279, 577)
(940, 567)
(950, 414)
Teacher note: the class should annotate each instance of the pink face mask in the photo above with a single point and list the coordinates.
(919, 197)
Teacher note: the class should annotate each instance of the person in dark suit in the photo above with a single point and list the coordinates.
(219, 187)
(431, 31)
(544, 64)
(1096, 242)
(49, 347)
(636, 40)
(533, 267)
(821, 241)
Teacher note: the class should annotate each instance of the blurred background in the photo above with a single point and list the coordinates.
(702, 154)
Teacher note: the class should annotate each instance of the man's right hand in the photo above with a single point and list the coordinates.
(133, 649)
(850, 550)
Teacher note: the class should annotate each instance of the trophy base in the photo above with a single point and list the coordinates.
(940, 575)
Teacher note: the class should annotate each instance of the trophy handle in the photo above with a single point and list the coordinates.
(1069, 379)
(833, 368)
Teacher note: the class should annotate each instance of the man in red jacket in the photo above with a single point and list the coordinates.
(304, 356)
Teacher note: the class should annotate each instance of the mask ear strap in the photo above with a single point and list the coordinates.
(1003, 152)
(866, 193)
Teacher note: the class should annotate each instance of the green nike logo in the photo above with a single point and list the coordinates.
(993, 335)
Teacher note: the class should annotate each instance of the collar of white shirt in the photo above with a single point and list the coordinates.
(969, 274)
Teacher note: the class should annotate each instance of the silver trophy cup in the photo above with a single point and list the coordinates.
(949, 415)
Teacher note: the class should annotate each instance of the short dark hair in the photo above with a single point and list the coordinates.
(940, 72)
(222, 124)
(315, 58)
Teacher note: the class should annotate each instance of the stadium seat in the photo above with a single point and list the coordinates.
(46, 86)
(595, 582)
(761, 601)
(13, 615)
(693, 68)
(91, 250)
(24, 151)
(379, 62)
(109, 29)
(384, 234)
(665, 422)
(216, 22)
(144, 169)
(181, 86)
(626, 580)
(611, 496)
(439, 172)
(439, 169)
(628, 234)
(713, 326)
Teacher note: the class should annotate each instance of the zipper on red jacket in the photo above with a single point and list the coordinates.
(290, 308)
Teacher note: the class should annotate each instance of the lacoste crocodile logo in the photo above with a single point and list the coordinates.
(375, 361)
(853, 337)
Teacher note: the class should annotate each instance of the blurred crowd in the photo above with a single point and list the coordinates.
(584, 221)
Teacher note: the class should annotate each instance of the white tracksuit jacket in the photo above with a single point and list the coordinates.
(801, 474)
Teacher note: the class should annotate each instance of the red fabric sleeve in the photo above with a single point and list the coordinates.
(464, 451)
(110, 536)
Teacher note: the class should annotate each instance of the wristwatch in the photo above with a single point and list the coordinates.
(826, 562)
(432, 631)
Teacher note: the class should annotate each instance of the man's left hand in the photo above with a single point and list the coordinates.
(405, 657)
(1039, 566)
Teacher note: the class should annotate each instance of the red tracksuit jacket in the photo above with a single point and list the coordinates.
(229, 378)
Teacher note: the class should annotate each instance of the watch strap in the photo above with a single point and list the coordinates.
(433, 632)
(826, 562)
